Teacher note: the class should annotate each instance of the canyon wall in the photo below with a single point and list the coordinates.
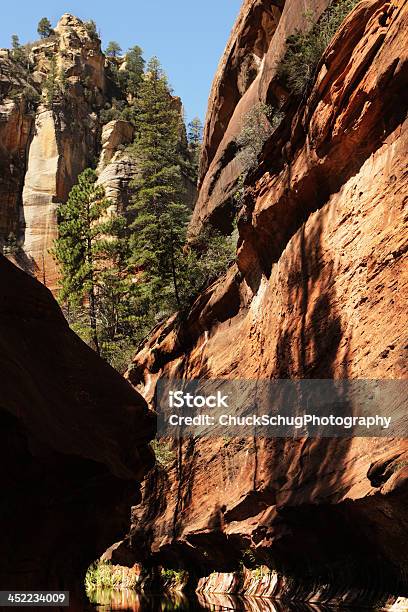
(318, 290)
(45, 145)
(51, 144)
(245, 77)
(74, 444)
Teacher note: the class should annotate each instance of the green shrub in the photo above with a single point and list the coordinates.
(51, 85)
(257, 125)
(111, 112)
(248, 558)
(102, 574)
(304, 49)
(164, 454)
(119, 353)
(207, 257)
(90, 27)
(19, 52)
(11, 245)
(260, 571)
(173, 579)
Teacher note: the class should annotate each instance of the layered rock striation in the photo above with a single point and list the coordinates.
(52, 140)
(318, 291)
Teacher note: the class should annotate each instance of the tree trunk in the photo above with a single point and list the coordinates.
(92, 320)
(91, 293)
(173, 270)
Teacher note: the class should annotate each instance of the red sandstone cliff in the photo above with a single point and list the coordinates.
(318, 291)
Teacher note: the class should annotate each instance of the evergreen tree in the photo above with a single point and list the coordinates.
(18, 52)
(11, 245)
(113, 49)
(132, 76)
(44, 28)
(15, 42)
(50, 84)
(86, 246)
(91, 28)
(195, 133)
(159, 214)
(195, 139)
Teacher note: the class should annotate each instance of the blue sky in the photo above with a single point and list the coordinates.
(188, 36)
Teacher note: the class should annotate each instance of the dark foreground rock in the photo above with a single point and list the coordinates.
(73, 443)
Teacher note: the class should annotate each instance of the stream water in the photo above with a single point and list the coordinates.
(128, 599)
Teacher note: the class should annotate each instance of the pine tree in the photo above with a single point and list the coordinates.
(113, 49)
(85, 247)
(158, 211)
(15, 42)
(18, 52)
(195, 132)
(134, 70)
(195, 139)
(44, 28)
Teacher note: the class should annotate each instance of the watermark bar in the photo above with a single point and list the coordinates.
(282, 408)
(28, 599)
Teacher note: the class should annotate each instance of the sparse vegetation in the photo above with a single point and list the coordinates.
(11, 245)
(102, 574)
(399, 465)
(173, 580)
(27, 94)
(51, 85)
(206, 257)
(304, 49)
(257, 125)
(91, 28)
(19, 52)
(164, 454)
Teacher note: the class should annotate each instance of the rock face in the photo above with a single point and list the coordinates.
(318, 291)
(16, 123)
(65, 139)
(74, 443)
(49, 147)
(114, 134)
(45, 145)
(117, 169)
(245, 77)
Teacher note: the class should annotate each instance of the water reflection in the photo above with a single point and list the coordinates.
(252, 604)
(128, 599)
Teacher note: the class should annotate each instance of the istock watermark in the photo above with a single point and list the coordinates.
(282, 408)
(178, 399)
